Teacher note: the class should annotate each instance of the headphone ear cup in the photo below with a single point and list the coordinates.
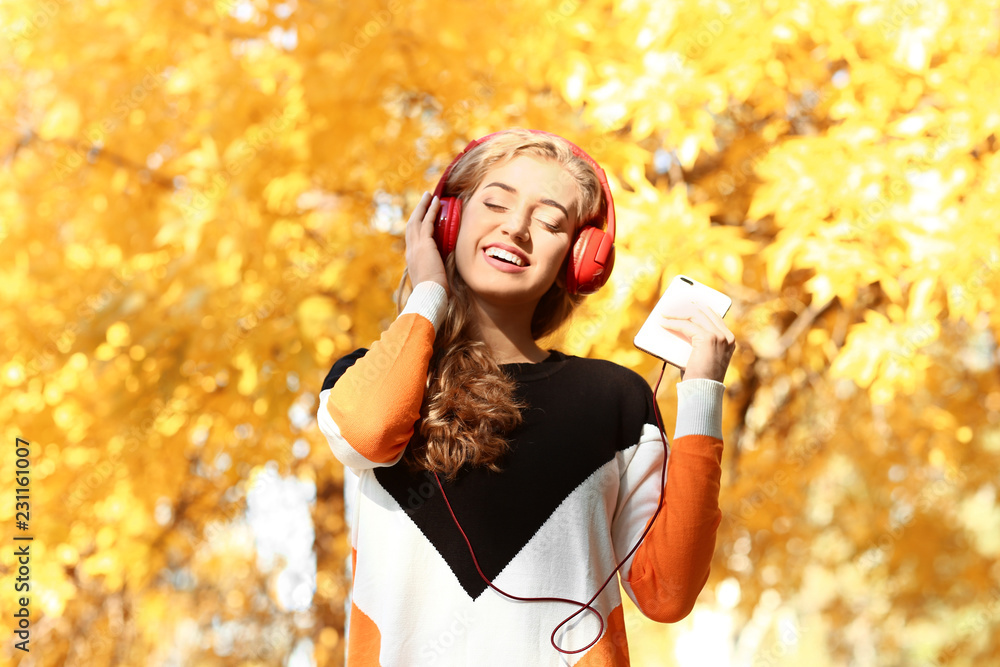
(591, 262)
(446, 226)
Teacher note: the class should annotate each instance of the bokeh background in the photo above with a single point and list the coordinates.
(202, 206)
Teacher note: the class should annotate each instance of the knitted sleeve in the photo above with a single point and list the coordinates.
(670, 568)
(371, 399)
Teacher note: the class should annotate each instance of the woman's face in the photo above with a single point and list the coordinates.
(524, 206)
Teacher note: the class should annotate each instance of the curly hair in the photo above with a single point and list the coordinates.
(469, 403)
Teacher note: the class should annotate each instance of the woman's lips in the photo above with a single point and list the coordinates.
(502, 265)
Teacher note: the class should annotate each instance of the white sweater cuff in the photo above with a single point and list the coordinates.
(429, 299)
(699, 408)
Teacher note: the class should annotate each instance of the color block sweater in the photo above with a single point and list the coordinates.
(579, 485)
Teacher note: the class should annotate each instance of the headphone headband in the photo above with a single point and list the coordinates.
(579, 152)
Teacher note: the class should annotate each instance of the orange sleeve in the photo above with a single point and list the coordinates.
(368, 416)
(671, 566)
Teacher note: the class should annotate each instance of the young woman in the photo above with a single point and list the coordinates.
(491, 469)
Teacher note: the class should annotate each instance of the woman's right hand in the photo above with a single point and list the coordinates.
(423, 260)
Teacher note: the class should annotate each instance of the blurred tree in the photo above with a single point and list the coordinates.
(202, 208)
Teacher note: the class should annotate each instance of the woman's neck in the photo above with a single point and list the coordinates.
(507, 333)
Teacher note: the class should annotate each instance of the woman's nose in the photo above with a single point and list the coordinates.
(518, 223)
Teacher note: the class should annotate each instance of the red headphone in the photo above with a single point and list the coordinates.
(593, 253)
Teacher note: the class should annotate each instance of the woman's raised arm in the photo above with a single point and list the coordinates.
(368, 415)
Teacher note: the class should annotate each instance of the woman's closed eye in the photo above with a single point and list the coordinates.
(498, 207)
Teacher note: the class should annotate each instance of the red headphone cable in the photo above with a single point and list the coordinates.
(583, 606)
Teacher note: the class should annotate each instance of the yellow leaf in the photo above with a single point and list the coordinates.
(61, 122)
(780, 256)
(687, 153)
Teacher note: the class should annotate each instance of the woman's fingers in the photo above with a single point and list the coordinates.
(683, 326)
(416, 218)
(714, 318)
(432, 214)
(423, 260)
(425, 212)
(712, 343)
(706, 321)
(421, 222)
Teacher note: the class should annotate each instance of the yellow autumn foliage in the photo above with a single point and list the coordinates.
(202, 206)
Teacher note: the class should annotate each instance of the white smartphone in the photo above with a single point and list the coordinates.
(671, 347)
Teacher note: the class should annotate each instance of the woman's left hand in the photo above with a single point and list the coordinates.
(711, 340)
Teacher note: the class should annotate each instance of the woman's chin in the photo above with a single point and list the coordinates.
(507, 289)
(507, 297)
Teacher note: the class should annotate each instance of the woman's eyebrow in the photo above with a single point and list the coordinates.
(513, 190)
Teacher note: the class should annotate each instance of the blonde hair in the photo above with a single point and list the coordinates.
(469, 403)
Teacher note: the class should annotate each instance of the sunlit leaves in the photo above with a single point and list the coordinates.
(202, 210)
